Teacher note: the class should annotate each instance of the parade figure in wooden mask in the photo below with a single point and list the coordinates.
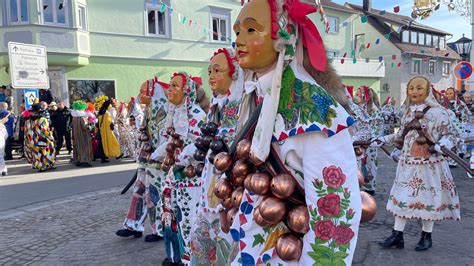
(226, 81)
(304, 121)
(185, 117)
(425, 128)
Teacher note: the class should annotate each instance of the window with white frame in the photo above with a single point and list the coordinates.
(442, 42)
(406, 36)
(55, 12)
(446, 68)
(333, 24)
(421, 38)
(429, 40)
(158, 20)
(415, 66)
(17, 11)
(332, 54)
(413, 37)
(220, 22)
(82, 17)
(431, 67)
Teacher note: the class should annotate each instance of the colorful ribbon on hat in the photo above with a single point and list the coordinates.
(312, 41)
(197, 80)
(366, 94)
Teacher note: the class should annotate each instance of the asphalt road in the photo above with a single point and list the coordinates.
(25, 186)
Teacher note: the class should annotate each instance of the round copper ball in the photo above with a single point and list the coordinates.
(223, 161)
(282, 186)
(298, 219)
(369, 207)
(199, 168)
(165, 168)
(225, 226)
(231, 214)
(223, 189)
(260, 183)
(254, 159)
(170, 147)
(241, 168)
(170, 131)
(189, 171)
(272, 210)
(289, 247)
(238, 181)
(247, 182)
(227, 203)
(177, 142)
(168, 160)
(237, 196)
(421, 140)
(243, 149)
(360, 178)
(258, 218)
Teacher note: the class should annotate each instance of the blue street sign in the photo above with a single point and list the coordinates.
(30, 96)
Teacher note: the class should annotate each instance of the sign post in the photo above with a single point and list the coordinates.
(28, 66)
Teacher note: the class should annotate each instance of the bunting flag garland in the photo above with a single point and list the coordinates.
(163, 7)
(363, 19)
(396, 9)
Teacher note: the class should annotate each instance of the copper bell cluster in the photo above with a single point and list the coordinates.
(244, 171)
(203, 143)
(145, 146)
(174, 143)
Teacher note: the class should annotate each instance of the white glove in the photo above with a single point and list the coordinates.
(378, 142)
(437, 148)
(159, 153)
(184, 158)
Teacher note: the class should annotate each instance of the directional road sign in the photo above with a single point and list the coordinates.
(463, 70)
(28, 66)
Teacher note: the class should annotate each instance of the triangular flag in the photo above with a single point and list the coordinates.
(446, 54)
(393, 64)
(344, 55)
(353, 52)
(363, 19)
(367, 60)
(367, 46)
(344, 24)
(396, 9)
(190, 22)
(342, 60)
(377, 41)
(399, 64)
(354, 60)
(417, 62)
(394, 57)
(380, 58)
(387, 36)
(183, 20)
(422, 51)
(382, 12)
(425, 60)
(163, 8)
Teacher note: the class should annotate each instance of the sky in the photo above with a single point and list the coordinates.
(441, 19)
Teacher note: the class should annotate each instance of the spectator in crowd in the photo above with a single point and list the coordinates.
(20, 129)
(45, 96)
(61, 124)
(3, 88)
(45, 107)
(3, 138)
(9, 120)
(53, 106)
(9, 99)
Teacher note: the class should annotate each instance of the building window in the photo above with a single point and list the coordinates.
(421, 38)
(158, 23)
(446, 68)
(332, 54)
(431, 67)
(82, 17)
(55, 12)
(415, 66)
(429, 40)
(333, 24)
(359, 44)
(220, 25)
(413, 37)
(17, 11)
(435, 41)
(442, 42)
(406, 36)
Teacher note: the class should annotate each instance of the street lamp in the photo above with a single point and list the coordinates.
(463, 47)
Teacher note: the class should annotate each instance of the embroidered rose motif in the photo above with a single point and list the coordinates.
(333, 176)
(343, 235)
(324, 230)
(329, 205)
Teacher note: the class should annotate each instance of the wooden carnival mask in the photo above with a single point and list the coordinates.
(143, 95)
(253, 28)
(417, 90)
(220, 78)
(176, 90)
(450, 94)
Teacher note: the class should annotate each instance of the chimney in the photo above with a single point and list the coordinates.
(367, 5)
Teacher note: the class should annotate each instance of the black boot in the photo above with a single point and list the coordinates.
(127, 233)
(425, 242)
(395, 240)
(153, 238)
